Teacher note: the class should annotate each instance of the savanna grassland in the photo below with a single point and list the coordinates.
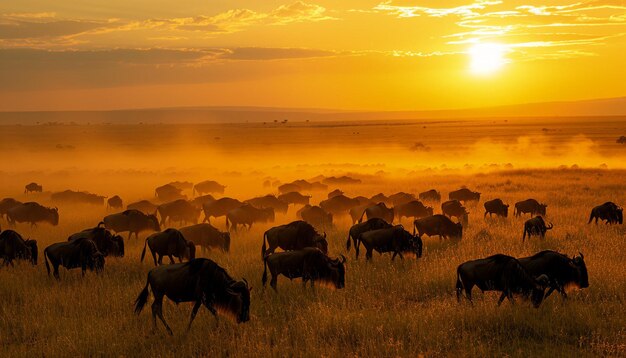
(402, 308)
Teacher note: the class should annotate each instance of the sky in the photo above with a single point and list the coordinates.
(348, 54)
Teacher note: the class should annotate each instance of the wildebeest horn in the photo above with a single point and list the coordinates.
(550, 226)
(343, 259)
(581, 255)
(245, 281)
(324, 234)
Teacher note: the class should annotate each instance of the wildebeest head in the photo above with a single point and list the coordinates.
(429, 210)
(418, 245)
(505, 210)
(190, 251)
(338, 272)
(226, 243)
(96, 262)
(118, 246)
(457, 231)
(54, 216)
(239, 303)
(578, 263)
(620, 215)
(154, 222)
(34, 252)
(267, 214)
(321, 243)
(538, 291)
(542, 209)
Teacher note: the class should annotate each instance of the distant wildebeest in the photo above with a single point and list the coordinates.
(269, 201)
(439, 225)
(168, 192)
(363, 200)
(309, 263)
(413, 209)
(316, 216)
(133, 221)
(380, 198)
(107, 243)
(530, 206)
(201, 200)
(208, 187)
(170, 242)
(6, 204)
(609, 212)
(81, 253)
(343, 180)
(401, 198)
(293, 236)
(181, 211)
(357, 211)
(536, 226)
(33, 188)
(339, 204)
(496, 206)
(182, 185)
(115, 202)
(358, 229)
(500, 273)
(144, 206)
(430, 195)
(13, 246)
(33, 213)
(247, 215)
(77, 197)
(220, 207)
(379, 210)
(394, 239)
(334, 193)
(562, 271)
(454, 208)
(207, 237)
(288, 188)
(294, 197)
(464, 195)
(201, 281)
(317, 186)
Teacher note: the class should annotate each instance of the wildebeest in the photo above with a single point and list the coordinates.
(6, 204)
(248, 215)
(13, 246)
(531, 206)
(562, 271)
(201, 281)
(168, 192)
(144, 206)
(316, 216)
(454, 208)
(430, 195)
(182, 185)
(33, 188)
(500, 273)
(309, 263)
(342, 180)
(180, 210)
(115, 202)
(207, 237)
(293, 236)
(394, 239)
(609, 212)
(33, 213)
(334, 193)
(133, 221)
(380, 198)
(363, 200)
(81, 253)
(201, 200)
(413, 209)
(358, 229)
(317, 186)
(496, 206)
(269, 201)
(294, 197)
(107, 243)
(77, 197)
(536, 226)
(170, 242)
(288, 188)
(401, 198)
(464, 195)
(220, 207)
(379, 210)
(339, 204)
(357, 211)
(439, 225)
(207, 187)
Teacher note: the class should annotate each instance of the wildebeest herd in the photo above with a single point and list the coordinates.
(303, 242)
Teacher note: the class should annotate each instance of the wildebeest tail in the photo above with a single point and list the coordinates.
(45, 256)
(143, 253)
(264, 247)
(459, 285)
(362, 215)
(348, 242)
(227, 228)
(524, 236)
(264, 278)
(591, 217)
(142, 299)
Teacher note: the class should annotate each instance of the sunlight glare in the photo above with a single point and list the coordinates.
(487, 57)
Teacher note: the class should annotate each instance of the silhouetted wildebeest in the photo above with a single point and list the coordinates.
(430, 195)
(358, 229)
(317, 186)
(81, 253)
(530, 206)
(496, 206)
(335, 193)
(401, 198)
(201, 281)
(182, 185)
(168, 192)
(6, 204)
(339, 204)
(170, 242)
(536, 226)
(500, 273)
(394, 239)
(454, 208)
(357, 211)
(247, 215)
(207, 237)
(13, 246)
(200, 201)
(609, 212)
(77, 197)
(33, 188)
(115, 202)
(180, 210)
(308, 263)
(439, 225)
(562, 271)
(379, 210)
(413, 209)
(220, 207)
(464, 195)
(363, 200)
(269, 201)
(207, 187)
(380, 198)
(316, 216)
(294, 197)
(288, 188)
(144, 206)
(293, 236)
(33, 213)
(342, 180)
(133, 221)
(106, 242)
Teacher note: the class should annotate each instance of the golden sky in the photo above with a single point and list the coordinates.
(349, 54)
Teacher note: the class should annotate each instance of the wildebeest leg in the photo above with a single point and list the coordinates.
(56, 271)
(171, 259)
(154, 257)
(194, 311)
(160, 259)
(157, 310)
(274, 281)
(502, 297)
(549, 292)
(368, 254)
(509, 295)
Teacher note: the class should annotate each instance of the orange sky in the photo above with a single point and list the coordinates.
(384, 55)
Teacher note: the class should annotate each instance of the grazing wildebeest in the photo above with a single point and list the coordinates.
(342, 180)
(77, 197)
(339, 204)
(220, 207)
(269, 201)
(536, 226)
(207, 237)
(464, 195)
(430, 195)
(401, 198)
(33, 213)
(309, 263)
(180, 210)
(454, 208)
(609, 211)
(81, 253)
(500, 273)
(200, 201)
(562, 271)
(115, 202)
(358, 229)
(13, 246)
(106, 242)
(379, 210)
(531, 206)
(394, 239)
(316, 216)
(201, 281)
(168, 192)
(133, 221)
(334, 193)
(182, 185)
(144, 206)
(33, 188)
(413, 209)
(293, 236)
(496, 206)
(247, 215)
(293, 197)
(439, 225)
(6, 204)
(170, 242)
(207, 187)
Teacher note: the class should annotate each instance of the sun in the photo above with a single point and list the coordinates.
(487, 58)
